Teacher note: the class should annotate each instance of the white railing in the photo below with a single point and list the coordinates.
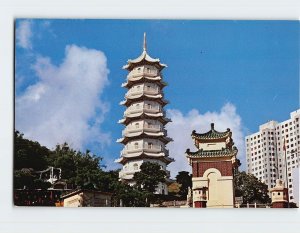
(153, 149)
(133, 93)
(140, 110)
(137, 73)
(145, 128)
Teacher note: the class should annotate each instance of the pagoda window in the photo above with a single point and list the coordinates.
(137, 125)
(150, 145)
(148, 70)
(137, 106)
(136, 145)
(135, 166)
(148, 87)
(149, 106)
(138, 88)
(150, 125)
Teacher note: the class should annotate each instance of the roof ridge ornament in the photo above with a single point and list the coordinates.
(145, 43)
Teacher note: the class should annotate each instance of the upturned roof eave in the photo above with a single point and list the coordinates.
(143, 57)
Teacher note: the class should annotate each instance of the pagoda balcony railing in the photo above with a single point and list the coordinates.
(140, 110)
(143, 91)
(123, 173)
(129, 172)
(153, 129)
(153, 149)
(145, 72)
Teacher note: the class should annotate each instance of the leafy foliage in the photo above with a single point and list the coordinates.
(185, 180)
(146, 182)
(29, 154)
(79, 169)
(251, 189)
(149, 177)
(82, 170)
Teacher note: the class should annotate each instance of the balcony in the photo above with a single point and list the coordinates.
(143, 109)
(144, 128)
(142, 72)
(129, 173)
(147, 91)
(129, 152)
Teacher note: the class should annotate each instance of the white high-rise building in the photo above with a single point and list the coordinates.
(273, 153)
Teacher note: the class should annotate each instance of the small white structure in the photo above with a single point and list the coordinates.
(279, 195)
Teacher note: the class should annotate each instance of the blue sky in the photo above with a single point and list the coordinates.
(238, 74)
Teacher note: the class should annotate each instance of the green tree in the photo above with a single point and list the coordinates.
(79, 169)
(149, 176)
(29, 154)
(146, 182)
(251, 189)
(185, 180)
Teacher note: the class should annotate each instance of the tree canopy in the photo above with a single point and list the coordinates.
(185, 180)
(251, 189)
(149, 176)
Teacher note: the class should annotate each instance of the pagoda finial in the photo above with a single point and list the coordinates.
(212, 125)
(145, 42)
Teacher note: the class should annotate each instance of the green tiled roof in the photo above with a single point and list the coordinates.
(212, 134)
(212, 153)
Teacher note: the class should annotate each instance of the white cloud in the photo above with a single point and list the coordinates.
(24, 34)
(181, 127)
(64, 104)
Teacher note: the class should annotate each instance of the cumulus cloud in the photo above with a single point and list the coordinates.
(64, 105)
(24, 34)
(181, 127)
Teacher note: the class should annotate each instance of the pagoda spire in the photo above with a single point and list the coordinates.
(145, 43)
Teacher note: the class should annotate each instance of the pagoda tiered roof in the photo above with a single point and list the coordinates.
(160, 135)
(144, 155)
(225, 152)
(212, 134)
(158, 116)
(144, 58)
(129, 83)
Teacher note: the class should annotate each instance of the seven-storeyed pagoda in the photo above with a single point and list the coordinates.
(144, 136)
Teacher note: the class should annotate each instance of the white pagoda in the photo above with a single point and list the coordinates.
(144, 136)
